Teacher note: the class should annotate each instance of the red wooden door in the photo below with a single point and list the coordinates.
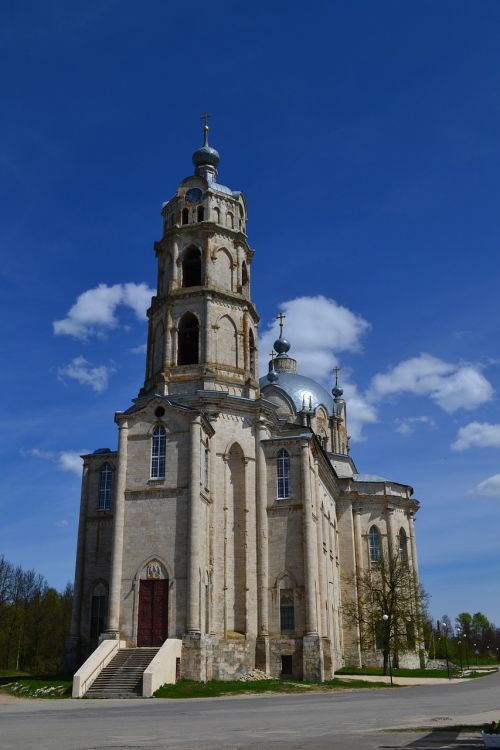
(152, 627)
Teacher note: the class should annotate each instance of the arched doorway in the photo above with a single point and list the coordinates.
(152, 619)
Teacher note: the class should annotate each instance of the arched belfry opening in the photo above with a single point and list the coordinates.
(188, 340)
(191, 267)
(251, 351)
(244, 277)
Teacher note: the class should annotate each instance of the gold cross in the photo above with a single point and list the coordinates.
(205, 117)
(281, 318)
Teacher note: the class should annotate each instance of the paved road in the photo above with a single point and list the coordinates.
(342, 721)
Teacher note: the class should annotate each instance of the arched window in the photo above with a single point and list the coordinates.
(188, 340)
(217, 215)
(244, 275)
(229, 220)
(185, 216)
(200, 213)
(105, 477)
(403, 546)
(374, 542)
(283, 474)
(191, 267)
(251, 347)
(158, 452)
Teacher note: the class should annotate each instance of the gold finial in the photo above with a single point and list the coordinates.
(281, 318)
(205, 117)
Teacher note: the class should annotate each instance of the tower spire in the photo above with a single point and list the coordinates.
(206, 158)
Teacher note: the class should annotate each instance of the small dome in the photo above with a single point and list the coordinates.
(206, 155)
(102, 450)
(282, 346)
(337, 391)
(272, 376)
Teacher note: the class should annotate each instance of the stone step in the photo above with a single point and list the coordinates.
(122, 677)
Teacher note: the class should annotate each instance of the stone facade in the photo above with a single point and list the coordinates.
(232, 515)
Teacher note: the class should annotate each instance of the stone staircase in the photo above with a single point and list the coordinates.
(122, 677)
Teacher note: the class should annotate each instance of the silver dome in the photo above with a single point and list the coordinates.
(298, 388)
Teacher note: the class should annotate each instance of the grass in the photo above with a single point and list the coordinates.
(215, 688)
(34, 686)
(378, 672)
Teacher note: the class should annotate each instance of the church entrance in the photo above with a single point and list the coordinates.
(152, 626)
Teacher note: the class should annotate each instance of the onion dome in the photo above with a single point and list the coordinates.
(281, 346)
(272, 376)
(337, 391)
(206, 156)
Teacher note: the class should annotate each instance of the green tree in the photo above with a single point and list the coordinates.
(390, 609)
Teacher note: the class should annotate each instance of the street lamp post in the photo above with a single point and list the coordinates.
(443, 626)
(386, 620)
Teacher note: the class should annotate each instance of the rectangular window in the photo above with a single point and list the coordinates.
(105, 476)
(287, 612)
(283, 475)
(158, 451)
(97, 616)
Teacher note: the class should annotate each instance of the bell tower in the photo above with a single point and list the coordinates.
(202, 331)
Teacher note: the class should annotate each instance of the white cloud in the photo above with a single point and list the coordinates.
(482, 434)
(359, 411)
(70, 461)
(81, 371)
(406, 425)
(318, 328)
(62, 524)
(94, 310)
(488, 488)
(450, 386)
(65, 460)
(141, 349)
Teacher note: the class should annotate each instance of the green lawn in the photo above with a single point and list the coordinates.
(214, 688)
(34, 686)
(378, 671)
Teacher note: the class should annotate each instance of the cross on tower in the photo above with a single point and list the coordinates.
(281, 318)
(205, 117)
(336, 370)
(272, 355)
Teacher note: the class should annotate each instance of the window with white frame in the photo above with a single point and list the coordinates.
(283, 474)
(374, 544)
(158, 452)
(105, 481)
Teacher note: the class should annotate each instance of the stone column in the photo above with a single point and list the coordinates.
(321, 542)
(113, 629)
(312, 657)
(194, 539)
(175, 265)
(262, 647)
(309, 534)
(391, 538)
(358, 542)
(416, 580)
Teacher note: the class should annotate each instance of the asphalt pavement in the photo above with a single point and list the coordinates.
(347, 720)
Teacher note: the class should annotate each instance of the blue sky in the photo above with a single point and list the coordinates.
(366, 139)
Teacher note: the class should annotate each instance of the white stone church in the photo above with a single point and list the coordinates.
(232, 516)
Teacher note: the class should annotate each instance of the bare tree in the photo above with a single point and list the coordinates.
(389, 609)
